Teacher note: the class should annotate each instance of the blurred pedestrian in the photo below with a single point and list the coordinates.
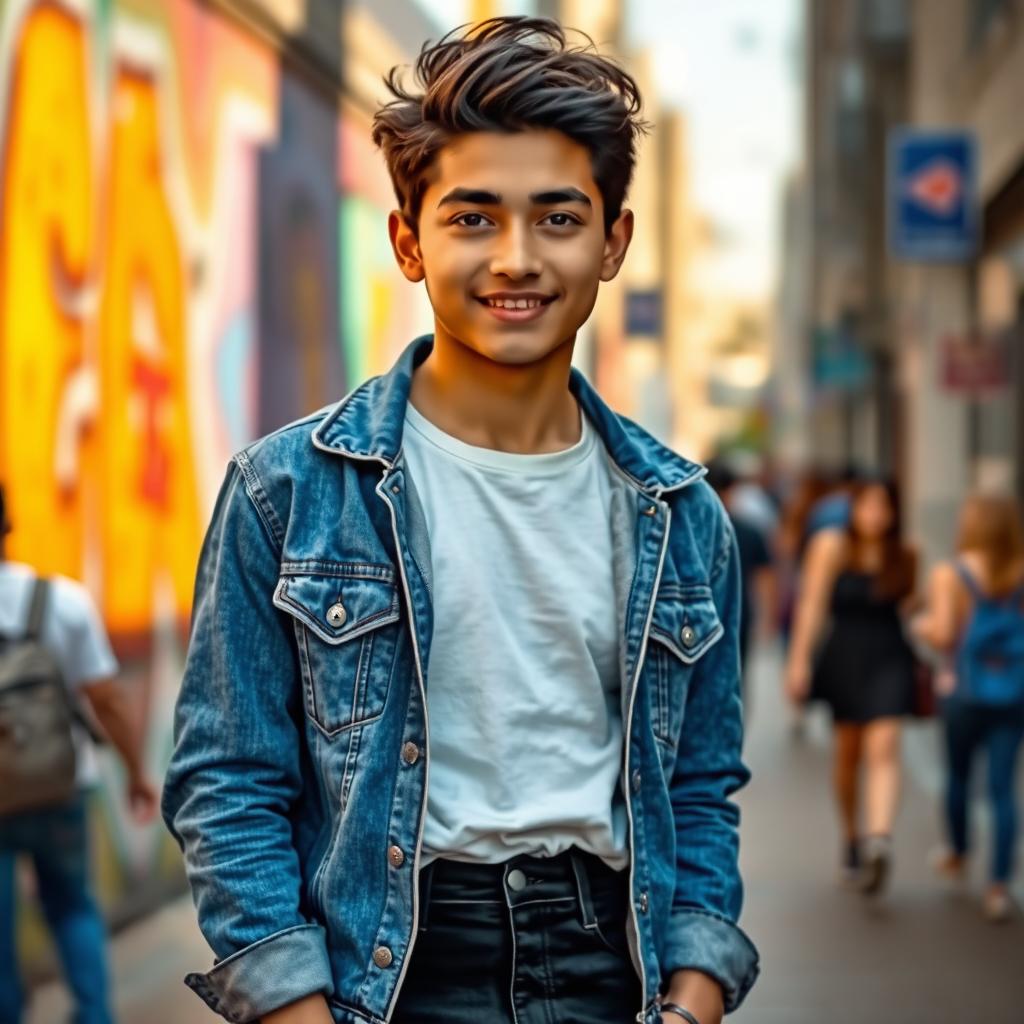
(52, 634)
(832, 510)
(757, 605)
(975, 613)
(854, 584)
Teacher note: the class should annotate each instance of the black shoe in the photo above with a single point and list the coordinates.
(877, 864)
(850, 867)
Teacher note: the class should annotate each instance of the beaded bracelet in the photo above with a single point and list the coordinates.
(679, 1011)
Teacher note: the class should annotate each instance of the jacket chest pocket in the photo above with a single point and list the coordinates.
(347, 631)
(685, 626)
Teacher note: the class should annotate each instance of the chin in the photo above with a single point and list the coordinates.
(510, 347)
(514, 351)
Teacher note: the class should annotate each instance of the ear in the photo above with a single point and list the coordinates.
(406, 246)
(616, 245)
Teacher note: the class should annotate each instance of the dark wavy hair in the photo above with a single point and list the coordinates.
(510, 74)
(896, 579)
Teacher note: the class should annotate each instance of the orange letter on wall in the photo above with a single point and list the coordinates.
(150, 507)
(45, 252)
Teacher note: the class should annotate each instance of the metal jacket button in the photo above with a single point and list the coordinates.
(336, 614)
(516, 880)
(644, 903)
(410, 753)
(689, 636)
(382, 956)
(651, 510)
(636, 780)
(396, 856)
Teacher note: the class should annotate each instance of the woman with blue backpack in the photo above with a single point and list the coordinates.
(975, 613)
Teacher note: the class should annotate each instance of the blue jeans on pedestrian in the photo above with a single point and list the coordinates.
(970, 727)
(56, 840)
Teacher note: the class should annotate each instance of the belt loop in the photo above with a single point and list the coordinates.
(579, 869)
(426, 883)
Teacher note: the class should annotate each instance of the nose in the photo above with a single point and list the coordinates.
(514, 256)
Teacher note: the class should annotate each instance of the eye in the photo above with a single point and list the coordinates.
(560, 220)
(470, 220)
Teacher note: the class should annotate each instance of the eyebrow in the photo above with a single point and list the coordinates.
(481, 197)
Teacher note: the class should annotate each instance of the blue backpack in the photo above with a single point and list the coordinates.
(990, 661)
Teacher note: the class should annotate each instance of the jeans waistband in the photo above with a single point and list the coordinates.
(572, 874)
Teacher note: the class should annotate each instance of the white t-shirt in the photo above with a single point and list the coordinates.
(523, 682)
(72, 630)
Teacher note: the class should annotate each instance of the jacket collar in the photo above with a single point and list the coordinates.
(368, 424)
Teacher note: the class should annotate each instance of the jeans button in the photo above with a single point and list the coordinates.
(689, 636)
(382, 956)
(396, 856)
(516, 880)
(636, 780)
(410, 753)
(336, 615)
(643, 902)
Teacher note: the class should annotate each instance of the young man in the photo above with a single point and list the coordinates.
(56, 837)
(477, 540)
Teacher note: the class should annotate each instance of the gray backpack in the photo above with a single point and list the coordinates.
(37, 750)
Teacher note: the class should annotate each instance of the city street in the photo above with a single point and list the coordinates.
(922, 956)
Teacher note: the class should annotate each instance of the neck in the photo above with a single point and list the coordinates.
(524, 409)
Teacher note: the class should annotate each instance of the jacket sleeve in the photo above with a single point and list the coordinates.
(703, 934)
(235, 774)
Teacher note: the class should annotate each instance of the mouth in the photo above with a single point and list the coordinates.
(516, 307)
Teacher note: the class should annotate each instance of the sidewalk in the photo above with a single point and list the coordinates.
(923, 955)
(149, 960)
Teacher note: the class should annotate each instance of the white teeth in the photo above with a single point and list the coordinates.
(514, 303)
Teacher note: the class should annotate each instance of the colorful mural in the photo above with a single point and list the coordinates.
(193, 251)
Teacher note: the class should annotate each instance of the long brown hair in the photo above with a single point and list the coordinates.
(991, 526)
(896, 578)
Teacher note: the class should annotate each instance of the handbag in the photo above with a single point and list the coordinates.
(923, 702)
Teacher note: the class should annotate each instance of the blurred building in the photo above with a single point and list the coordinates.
(967, 71)
(193, 251)
(856, 83)
(908, 367)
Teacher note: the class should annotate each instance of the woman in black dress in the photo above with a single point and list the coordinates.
(854, 584)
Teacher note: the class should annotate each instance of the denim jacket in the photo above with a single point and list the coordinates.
(297, 788)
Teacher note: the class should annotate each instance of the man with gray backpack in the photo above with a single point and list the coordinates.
(54, 653)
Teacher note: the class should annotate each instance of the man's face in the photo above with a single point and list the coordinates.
(511, 243)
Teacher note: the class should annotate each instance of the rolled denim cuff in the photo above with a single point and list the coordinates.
(701, 941)
(266, 975)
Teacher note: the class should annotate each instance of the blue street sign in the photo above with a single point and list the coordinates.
(932, 195)
(644, 313)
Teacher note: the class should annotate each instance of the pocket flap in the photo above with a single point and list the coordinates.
(337, 608)
(688, 625)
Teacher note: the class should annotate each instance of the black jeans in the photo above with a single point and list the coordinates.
(531, 941)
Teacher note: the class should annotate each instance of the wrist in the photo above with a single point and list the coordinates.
(698, 993)
(675, 1010)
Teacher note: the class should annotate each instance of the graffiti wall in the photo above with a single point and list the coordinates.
(193, 251)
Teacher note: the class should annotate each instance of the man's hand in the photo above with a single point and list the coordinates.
(699, 993)
(311, 1010)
